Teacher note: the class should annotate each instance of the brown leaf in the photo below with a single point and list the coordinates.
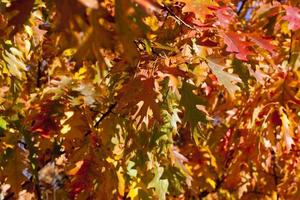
(140, 93)
(13, 168)
(20, 11)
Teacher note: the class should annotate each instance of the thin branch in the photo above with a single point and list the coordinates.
(38, 74)
(241, 7)
(166, 8)
(40, 68)
(275, 176)
(104, 115)
(109, 110)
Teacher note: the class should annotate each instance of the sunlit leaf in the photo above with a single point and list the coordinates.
(160, 185)
(236, 45)
(293, 17)
(228, 80)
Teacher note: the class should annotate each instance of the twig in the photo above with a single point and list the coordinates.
(274, 173)
(104, 115)
(38, 79)
(166, 8)
(109, 110)
(241, 7)
(40, 68)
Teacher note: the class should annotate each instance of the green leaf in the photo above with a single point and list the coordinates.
(241, 69)
(3, 125)
(225, 78)
(160, 185)
(190, 101)
(175, 119)
(130, 170)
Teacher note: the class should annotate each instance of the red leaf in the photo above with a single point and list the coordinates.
(293, 17)
(225, 16)
(82, 180)
(45, 118)
(263, 43)
(205, 39)
(236, 45)
(44, 124)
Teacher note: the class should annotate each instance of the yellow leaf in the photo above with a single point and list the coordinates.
(112, 161)
(133, 193)
(228, 80)
(27, 47)
(14, 65)
(152, 22)
(74, 171)
(285, 27)
(28, 30)
(211, 182)
(286, 130)
(121, 183)
(66, 128)
(200, 72)
(69, 52)
(81, 73)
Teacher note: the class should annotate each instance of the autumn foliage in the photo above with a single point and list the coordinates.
(145, 99)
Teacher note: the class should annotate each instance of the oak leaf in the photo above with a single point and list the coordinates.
(13, 164)
(20, 11)
(286, 130)
(160, 185)
(226, 79)
(199, 7)
(262, 43)
(235, 44)
(140, 92)
(189, 101)
(128, 29)
(15, 65)
(225, 16)
(293, 17)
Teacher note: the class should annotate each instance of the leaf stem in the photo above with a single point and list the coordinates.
(273, 158)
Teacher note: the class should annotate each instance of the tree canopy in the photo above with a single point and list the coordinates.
(149, 99)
